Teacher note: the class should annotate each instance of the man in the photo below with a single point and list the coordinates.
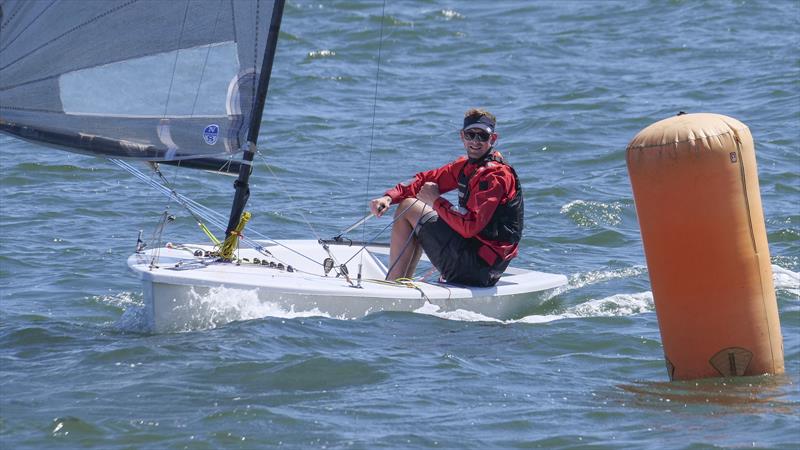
(473, 243)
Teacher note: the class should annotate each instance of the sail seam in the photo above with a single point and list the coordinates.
(11, 17)
(70, 31)
(20, 108)
(108, 115)
(25, 83)
(19, 7)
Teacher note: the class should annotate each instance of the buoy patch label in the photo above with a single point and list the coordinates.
(731, 362)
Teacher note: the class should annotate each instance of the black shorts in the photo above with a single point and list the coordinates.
(455, 256)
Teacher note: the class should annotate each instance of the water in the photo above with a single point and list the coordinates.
(571, 83)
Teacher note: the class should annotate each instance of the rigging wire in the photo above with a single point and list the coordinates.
(286, 192)
(203, 213)
(367, 243)
(175, 61)
(199, 212)
(172, 82)
(372, 130)
(341, 269)
(205, 60)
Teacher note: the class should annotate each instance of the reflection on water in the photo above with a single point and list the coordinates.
(753, 395)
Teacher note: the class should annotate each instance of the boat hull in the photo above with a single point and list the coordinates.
(183, 291)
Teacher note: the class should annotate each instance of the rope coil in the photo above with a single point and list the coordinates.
(231, 242)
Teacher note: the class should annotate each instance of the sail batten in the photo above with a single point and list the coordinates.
(170, 80)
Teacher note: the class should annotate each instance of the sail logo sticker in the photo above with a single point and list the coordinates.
(211, 133)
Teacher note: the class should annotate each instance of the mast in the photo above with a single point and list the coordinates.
(241, 184)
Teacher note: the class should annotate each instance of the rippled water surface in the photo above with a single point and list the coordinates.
(571, 83)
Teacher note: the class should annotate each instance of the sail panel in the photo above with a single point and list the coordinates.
(176, 78)
(118, 90)
(35, 97)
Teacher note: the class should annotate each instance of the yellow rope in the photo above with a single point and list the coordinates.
(402, 282)
(208, 233)
(232, 241)
(407, 282)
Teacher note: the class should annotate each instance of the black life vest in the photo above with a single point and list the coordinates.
(507, 221)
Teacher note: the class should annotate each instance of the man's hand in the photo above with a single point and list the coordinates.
(380, 205)
(428, 193)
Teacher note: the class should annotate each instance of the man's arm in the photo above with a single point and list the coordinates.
(445, 177)
(481, 204)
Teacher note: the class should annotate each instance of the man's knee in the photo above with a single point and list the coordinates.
(413, 211)
(406, 206)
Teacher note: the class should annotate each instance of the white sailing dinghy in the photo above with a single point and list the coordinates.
(185, 84)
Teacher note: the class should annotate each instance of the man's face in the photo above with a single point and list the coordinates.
(477, 142)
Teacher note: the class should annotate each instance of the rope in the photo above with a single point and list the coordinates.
(232, 240)
(209, 234)
(402, 282)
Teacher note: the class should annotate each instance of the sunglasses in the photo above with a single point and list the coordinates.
(479, 136)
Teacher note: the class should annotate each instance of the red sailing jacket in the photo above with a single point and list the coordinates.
(497, 181)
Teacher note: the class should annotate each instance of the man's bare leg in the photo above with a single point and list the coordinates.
(405, 250)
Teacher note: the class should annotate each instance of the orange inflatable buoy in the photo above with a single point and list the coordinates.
(695, 186)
